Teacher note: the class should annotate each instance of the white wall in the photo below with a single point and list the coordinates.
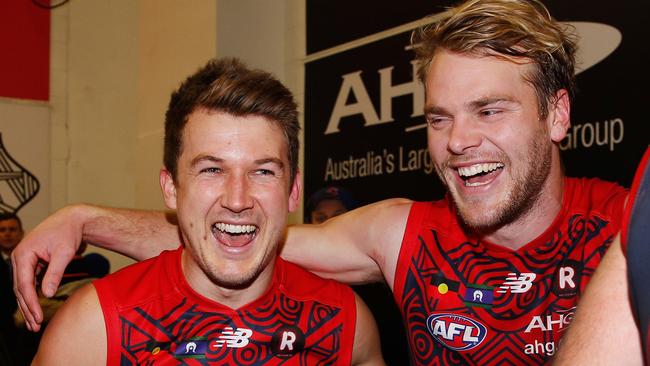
(269, 35)
(114, 64)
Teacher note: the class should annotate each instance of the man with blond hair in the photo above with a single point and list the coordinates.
(492, 273)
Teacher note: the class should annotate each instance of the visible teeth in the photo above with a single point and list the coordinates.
(469, 171)
(234, 229)
(468, 184)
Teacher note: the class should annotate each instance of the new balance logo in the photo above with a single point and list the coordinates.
(234, 338)
(517, 284)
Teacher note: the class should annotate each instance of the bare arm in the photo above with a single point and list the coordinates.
(355, 247)
(604, 331)
(367, 348)
(77, 333)
(137, 234)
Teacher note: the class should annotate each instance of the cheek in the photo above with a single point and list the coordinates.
(437, 150)
(196, 198)
(275, 204)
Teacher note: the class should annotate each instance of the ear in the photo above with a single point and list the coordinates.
(559, 116)
(168, 188)
(294, 193)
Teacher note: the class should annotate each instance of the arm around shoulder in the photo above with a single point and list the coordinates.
(355, 247)
(137, 234)
(77, 333)
(367, 348)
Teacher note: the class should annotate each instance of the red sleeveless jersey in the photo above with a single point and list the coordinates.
(635, 240)
(153, 317)
(469, 302)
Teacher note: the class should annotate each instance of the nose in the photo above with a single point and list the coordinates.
(237, 194)
(463, 135)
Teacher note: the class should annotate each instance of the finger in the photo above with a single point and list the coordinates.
(30, 322)
(24, 287)
(54, 271)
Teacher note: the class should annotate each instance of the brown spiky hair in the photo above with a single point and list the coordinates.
(521, 31)
(227, 85)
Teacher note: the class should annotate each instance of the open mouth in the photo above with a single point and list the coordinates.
(234, 235)
(479, 174)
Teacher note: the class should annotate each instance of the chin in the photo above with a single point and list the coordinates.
(480, 223)
(234, 282)
(481, 218)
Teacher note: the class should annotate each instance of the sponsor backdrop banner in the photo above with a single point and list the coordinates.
(364, 128)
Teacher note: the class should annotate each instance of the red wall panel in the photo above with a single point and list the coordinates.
(24, 50)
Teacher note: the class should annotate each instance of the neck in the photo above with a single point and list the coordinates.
(539, 217)
(232, 297)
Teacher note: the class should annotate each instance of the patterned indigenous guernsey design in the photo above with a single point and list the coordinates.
(153, 317)
(466, 301)
(635, 238)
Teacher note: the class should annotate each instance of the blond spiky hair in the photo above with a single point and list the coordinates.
(520, 31)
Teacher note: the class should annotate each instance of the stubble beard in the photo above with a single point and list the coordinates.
(522, 197)
(234, 281)
(239, 282)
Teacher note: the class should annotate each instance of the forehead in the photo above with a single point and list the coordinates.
(475, 76)
(216, 132)
(329, 204)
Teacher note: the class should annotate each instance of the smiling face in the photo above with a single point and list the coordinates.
(232, 195)
(486, 139)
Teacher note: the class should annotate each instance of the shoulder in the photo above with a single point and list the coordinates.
(152, 274)
(595, 194)
(386, 215)
(367, 348)
(391, 206)
(595, 189)
(301, 284)
(79, 322)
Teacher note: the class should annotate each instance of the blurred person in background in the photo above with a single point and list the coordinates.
(332, 201)
(11, 232)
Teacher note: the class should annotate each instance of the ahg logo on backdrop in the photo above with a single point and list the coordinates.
(597, 41)
(608, 133)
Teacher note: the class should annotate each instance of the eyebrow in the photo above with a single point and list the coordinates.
(483, 102)
(210, 158)
(475, 104)
(276, 161)
(432, 109)
(202, 158)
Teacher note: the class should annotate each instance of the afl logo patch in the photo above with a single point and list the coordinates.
(456, 332)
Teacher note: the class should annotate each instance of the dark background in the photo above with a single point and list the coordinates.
(613, 89)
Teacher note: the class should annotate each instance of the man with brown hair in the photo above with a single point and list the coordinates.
(492, 273)
(224, 297)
